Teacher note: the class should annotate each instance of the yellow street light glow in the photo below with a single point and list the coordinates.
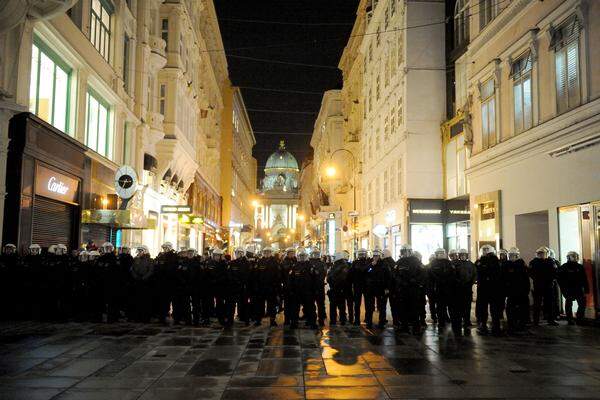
(301, 217)
(104, 201)
(255, 203)
(330, 171)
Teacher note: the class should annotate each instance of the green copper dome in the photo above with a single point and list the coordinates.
(281, 159)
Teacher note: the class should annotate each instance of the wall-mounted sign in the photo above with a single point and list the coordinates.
(54, 185)
(331, 215)
(395, 229)
(488, 210)
(175, 209)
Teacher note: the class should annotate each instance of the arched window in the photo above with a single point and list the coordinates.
(461, 22)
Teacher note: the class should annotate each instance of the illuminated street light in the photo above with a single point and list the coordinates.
(255, 203)
(330, 171)
(104, 202)
(301, 217)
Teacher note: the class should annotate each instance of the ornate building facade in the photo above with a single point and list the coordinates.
(276, 210)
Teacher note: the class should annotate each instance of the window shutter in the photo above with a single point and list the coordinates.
(561, 79)
(573, 73)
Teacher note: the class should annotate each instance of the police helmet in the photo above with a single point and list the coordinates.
(217, 252)
(266, 250)
(503, 254)
(61, 249)
(108, 247)
(406, 250)
(346, 254)
(301, 254)
(92, 255)
(10, 248)
(542, 252)
(238, 252)
(514, 254)
(250, 250)
(453, 254)
(361, 253)
(315, 252)
(551, 253)
(487, 249)
(339, 256)
(387, 253)
(463, 254)
(573, 256)
(83, 256)
(34, 249)
(52, 249)
(440, 253)
(141, 250)
(125, 249)
(377, 253)
(418, 255)
(167, 246)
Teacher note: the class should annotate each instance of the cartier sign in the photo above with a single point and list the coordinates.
(52, 184)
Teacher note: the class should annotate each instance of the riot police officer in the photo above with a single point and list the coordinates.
(542, 271)
(141, 274)
(321, 268)
(32, 266)
(574, 286)
(408, 290)
(182, 312)
(240, 272)
(303, 283)
(266, 283)
(467, 278)
(490, 290)
(165, 279)
(286, 265)
(337, 278)
(516, 289)
(377, 278)
(446, 283)
(357, 278)
(108, 264)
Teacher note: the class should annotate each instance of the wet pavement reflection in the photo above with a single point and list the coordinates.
(135, 361)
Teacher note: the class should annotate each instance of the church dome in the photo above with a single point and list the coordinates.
(281, 159)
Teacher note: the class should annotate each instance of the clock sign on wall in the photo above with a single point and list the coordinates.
(125, 182)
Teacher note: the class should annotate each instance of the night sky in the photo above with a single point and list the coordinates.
(322, 31)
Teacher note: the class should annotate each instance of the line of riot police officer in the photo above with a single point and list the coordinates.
(194, 288)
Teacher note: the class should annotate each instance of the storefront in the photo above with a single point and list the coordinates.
(426, 225)
(579, 230)
(486, 223)
(44, 185)
(457, 224)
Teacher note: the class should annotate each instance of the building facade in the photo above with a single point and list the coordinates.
(131, 82)
(531, 125)
(403, 91)
(276, 209)
(238, 171)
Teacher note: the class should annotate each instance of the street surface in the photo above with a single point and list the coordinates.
(134, 361)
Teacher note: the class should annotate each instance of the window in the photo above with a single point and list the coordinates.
(488, 114)
(101, 13)
(461, 23)
(165, 32)
(400, 115)
(460, 84)
(162, 98)
(49, 88)
(386, 198)
(520, 72)
(98, 132)
(487, 12)
(392, 183)
(565, 42)
(399, 177)
(126, 73)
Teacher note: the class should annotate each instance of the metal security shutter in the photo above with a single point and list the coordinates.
(52, 222)
(97, 233)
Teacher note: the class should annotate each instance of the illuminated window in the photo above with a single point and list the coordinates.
(49, 87)
(488, 114)
(100, 23)
(521, 75)
(565, 42)
(98, 130)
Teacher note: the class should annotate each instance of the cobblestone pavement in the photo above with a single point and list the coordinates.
(135, 361)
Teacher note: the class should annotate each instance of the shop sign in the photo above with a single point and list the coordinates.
(395, 229)
(175, 209)
(51, 184)
(488, 210)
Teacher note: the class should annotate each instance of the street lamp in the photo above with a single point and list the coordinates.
(331, 171)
